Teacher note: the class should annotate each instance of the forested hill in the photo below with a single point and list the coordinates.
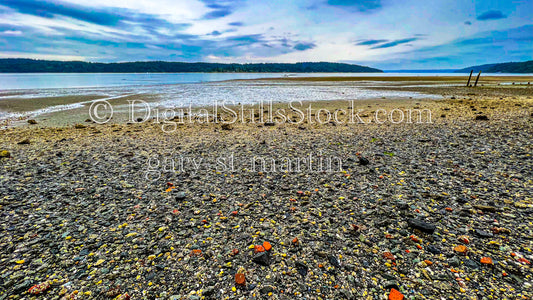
(19, 65)
(510, 67)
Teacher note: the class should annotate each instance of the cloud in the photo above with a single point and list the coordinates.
(11, 32)
(304, 46)
(236, 24)
(515, 44)
(394, 43)
(218, 13)
(221, 8)
(50, 10)
(359, 5)
(491, 15)
(370, 42)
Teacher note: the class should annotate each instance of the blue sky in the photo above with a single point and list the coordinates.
(387, 34)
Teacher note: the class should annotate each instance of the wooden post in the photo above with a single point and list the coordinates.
(469, 77)
(475, 84)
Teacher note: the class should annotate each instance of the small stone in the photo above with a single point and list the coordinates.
(486, 261)
(483, 234)
(302, 268)
(32, 121)
(262, 258)
(24, 142)
(5, 154)
(227, 126)
(485, 208)
(421, 225)
(80, 126)
(270, 124)
(181, 195)
(395, 295)
(433, 249)
(460, 249)
(363, 161)
(482, 118)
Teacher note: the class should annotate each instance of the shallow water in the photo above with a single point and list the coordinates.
(195, 95)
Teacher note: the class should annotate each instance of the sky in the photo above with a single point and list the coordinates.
(386, 34)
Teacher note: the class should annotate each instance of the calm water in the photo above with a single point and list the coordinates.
(80, 80)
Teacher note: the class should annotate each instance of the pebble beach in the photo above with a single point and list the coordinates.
(431, 210)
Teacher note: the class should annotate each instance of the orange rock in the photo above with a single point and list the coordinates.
(259, 248)
(460, 249)
(428, 262)
(388, 255)
(524, 261)
(240, 279)
(486, 260)
(267, 246)
(395, 295)
(295, 241)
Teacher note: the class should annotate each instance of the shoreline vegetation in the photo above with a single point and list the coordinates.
(421, 211)
(19, 65)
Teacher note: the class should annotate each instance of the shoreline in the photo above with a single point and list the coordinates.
(100, 210)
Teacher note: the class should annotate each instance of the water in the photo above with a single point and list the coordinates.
(17, 91)
(15, 81)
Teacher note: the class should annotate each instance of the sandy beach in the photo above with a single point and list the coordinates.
(436, 209)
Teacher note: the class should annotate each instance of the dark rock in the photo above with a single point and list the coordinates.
(227, 127)
(302, 268)
(483, 234)
(482, 118)
(421, 225)
(485, 208)
(334, 261)
(24, 142)
(32, 122)
(363, 161)
(262, 258)
(267, 289)
(433, 249)
(270, 124)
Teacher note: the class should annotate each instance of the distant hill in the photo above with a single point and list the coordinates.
(510, 67)
(20, 65)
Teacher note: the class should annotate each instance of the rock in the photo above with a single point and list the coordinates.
(181, 195)
(454, 261)
(270, 124)
(262, 258)
(227, 126)
(5, 154)
(485, 208)
(363, 161)
(334, 261)
(302, 268)
(266, 289)
(433, 249)
(391, 284)
(80, 126)
(421, 225)
(395, 295)
(482, 118)
(483, 234)
(32, 122)
(24, 142)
